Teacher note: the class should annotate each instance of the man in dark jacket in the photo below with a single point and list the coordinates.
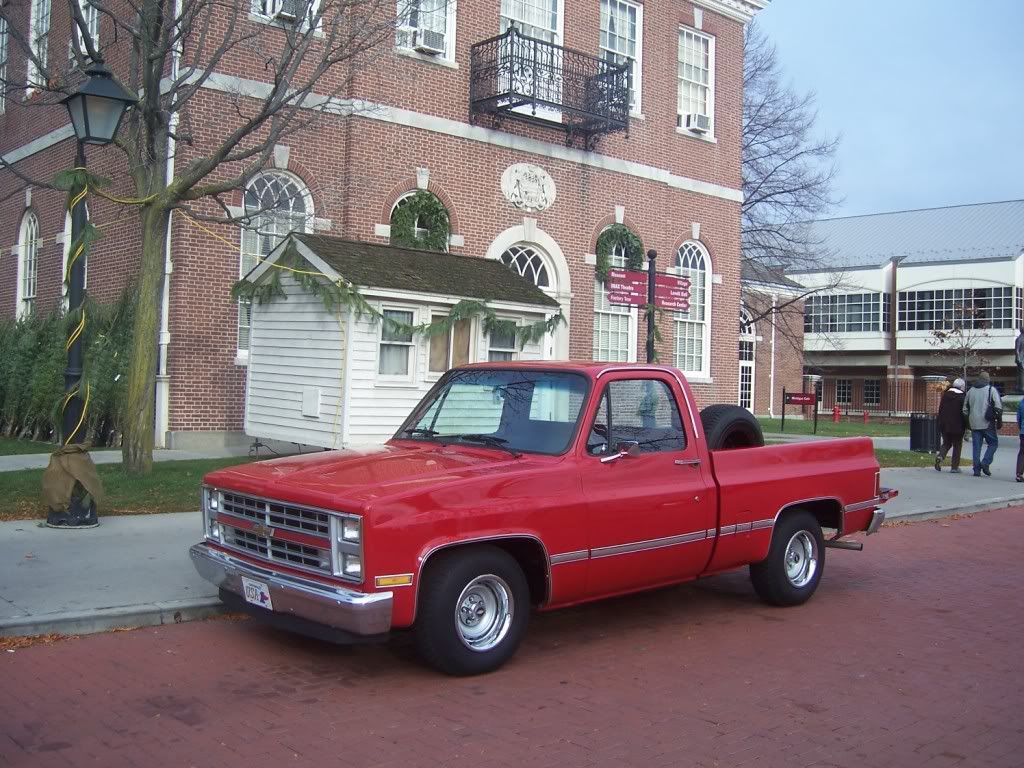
(951, 425)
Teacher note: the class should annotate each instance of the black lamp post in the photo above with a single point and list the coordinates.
(96, 109)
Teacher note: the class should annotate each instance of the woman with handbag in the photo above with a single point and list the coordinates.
(984, 411)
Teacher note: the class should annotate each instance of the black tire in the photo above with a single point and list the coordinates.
(442, 636)
(729, 426)
(772, 581)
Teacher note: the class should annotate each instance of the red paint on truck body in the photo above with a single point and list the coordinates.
(598, 529)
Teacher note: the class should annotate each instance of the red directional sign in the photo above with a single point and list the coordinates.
(627, 287)
(630, 288)
(672, 293)
(800, 398)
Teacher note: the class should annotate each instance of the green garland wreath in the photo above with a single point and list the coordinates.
(338, 294)
(618, 236)
(424, 207)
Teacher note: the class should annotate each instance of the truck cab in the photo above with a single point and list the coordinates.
(514, 486)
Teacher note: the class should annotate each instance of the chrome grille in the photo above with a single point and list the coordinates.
(276, 514)
(277, 550)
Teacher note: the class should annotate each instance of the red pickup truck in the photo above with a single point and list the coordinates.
(519, 485)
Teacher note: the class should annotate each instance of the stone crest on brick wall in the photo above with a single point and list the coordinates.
(528, 187)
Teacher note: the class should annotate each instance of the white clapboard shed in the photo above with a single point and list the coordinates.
(330, 378)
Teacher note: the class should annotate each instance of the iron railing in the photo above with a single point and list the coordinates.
(516, 76)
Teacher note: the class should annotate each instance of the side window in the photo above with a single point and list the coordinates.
(640, 410)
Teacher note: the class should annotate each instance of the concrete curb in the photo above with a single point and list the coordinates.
(960, 509)
(105, 619)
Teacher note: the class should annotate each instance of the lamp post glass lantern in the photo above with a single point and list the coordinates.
(97, 107)
(96, 110)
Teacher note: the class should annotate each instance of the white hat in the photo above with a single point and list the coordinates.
(959, 383)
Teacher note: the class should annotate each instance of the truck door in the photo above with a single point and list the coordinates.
(649, 508)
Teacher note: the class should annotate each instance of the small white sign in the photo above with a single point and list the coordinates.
(257, 593)
(528, 187)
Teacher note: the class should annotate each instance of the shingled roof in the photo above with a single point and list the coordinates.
(405, 269)
(958, 233)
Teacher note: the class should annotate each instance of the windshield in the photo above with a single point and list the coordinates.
(514, 410)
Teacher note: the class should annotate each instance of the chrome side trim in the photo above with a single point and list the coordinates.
(362, 613)
(642, 546)
(570, 557)
(727, 530)
(687, 462)
(758, 525)
(862, 505)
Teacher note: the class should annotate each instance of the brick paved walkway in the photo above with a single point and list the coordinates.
(909, 655)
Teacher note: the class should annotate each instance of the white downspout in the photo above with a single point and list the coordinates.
(163, 379)
(771, 372)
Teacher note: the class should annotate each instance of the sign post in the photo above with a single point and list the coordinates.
(799, 398)
(652, 276)
(651, 289)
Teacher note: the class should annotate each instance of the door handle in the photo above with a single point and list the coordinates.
(688, 462)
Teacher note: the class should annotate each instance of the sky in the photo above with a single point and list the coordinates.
(928, 95)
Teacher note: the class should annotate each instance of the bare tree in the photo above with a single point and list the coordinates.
(788, 174)
(788, 170)
(963, 346)
(169, 52)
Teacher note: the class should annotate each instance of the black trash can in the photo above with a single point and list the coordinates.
(924, 433)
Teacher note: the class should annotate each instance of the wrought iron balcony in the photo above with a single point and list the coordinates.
(525, 78)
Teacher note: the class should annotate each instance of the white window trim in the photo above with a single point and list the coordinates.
(710, 135)
(474, 330)
(704, 374)
(4, 52)
(242, 355)
(751, 337)
(448, 57)
(94, 31)
(636, 110)
(633, 314)
(388, 380)
(560, 25)
(32, 74)
(20, 296)
(256, 14)
(514, 349)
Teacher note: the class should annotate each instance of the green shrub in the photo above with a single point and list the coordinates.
(32, 361)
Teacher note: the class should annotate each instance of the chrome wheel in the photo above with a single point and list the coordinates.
(483, 612)
(801, 559)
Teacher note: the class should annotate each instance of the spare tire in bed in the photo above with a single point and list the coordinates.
(729, 426)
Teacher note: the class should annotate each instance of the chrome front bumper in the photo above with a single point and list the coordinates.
(360, 613)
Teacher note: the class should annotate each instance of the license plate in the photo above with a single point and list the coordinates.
(257, 593)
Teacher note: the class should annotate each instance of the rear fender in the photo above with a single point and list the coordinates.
(827, 510)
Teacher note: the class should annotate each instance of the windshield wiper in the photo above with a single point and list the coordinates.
(489, 440)
(419, 431)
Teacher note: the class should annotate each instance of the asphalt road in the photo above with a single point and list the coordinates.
(907, 656)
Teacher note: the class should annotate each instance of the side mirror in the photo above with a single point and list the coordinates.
(629, 448)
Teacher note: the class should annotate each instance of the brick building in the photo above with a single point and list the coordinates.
(536, 193)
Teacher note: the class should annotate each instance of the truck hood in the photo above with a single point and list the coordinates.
(353, 478)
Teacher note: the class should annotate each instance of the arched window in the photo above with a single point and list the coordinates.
(64, 277)
(748, 337)
(527, 261)
(276, 203)
(430, 230)
(693, 332)
(613, 323)
(28, 263)
(421, 227)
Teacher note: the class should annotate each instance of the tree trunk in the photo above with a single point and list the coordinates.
(137, 422)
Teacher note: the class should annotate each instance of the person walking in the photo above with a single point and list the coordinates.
(1020, 451)
(982, 407)
(951, 425)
